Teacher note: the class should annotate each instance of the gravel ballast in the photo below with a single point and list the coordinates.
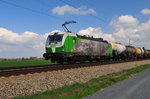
(39, 82)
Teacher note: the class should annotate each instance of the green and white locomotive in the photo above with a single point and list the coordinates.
(70, 47)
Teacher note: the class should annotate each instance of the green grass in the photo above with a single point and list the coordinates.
(80, 90)
(24, 63)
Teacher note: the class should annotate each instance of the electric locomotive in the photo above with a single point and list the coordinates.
(70, 47)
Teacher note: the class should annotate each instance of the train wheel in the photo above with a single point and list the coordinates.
(62, 62)
(71, 62)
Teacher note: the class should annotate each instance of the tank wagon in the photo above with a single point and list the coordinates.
(118, 48)
(130, 51)
(146, 53)
(118, 51)
(70, 47)
(138, 52)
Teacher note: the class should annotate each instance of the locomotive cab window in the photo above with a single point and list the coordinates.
(59, 38)
(54, 38)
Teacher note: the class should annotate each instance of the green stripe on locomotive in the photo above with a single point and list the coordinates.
(109, 51)
(57, 50)
(70, 42)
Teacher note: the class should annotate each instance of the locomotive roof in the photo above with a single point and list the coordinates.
(61, 32)
(91, 38)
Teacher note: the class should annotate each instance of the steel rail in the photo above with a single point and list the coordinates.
(14, 71)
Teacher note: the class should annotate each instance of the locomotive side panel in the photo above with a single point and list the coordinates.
(90, 47)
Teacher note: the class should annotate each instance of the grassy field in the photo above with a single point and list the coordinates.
(80, 90)
(23, 63)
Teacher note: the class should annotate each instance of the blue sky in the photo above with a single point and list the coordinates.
(23, 21)
(20, 20)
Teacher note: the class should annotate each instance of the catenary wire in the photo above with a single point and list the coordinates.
(29, 9)
(89, 14)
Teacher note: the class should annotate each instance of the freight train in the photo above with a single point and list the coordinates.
(70, 47)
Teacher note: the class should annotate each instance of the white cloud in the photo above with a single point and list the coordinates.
(21, 45)
(14, 38)
(125, 28)
(124, 21)
(144, 31)
(96, 33)
(145, 11)
(128, 28)
(61, 10)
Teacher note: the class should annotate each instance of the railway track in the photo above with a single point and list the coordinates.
(13, 71)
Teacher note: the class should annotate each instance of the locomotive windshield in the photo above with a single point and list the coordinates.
(55, 38)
